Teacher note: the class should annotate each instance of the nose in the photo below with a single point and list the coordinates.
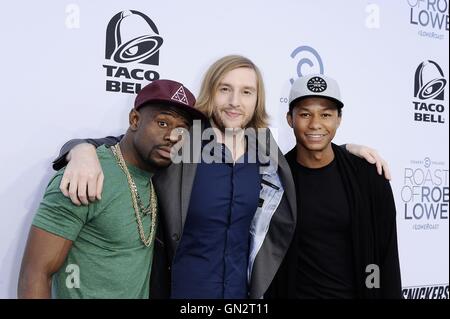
(314, 123)
(175, 135)
(234, 99)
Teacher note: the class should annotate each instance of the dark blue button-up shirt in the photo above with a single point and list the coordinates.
(212, 257)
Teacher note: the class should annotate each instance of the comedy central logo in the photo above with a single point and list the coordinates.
(309, 61)
(429, 85)
(132, 38)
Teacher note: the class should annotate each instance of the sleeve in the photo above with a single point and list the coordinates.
(58, 215)
(60, 161)
(390, 279)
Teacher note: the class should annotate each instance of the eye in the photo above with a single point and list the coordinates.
(163, 124)
(326, 115)
(248, 92)
(224, 89)
(304, 115)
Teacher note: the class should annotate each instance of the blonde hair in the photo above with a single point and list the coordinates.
(210, 84)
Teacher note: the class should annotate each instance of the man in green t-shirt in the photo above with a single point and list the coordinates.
(105, 249)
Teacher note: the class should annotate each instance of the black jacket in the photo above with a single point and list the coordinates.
(373, 215)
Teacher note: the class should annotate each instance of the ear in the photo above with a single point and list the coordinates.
(289, 119)
(339, 120)
(134, 119)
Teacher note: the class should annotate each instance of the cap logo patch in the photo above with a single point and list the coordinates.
(316, 84)
(180, 96)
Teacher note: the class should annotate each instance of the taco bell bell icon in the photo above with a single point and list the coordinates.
(131, 36)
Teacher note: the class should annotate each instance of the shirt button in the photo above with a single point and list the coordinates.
(176, 237)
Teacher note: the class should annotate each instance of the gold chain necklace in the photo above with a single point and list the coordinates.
(137, 204)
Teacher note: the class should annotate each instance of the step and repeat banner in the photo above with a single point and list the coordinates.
(72, 69)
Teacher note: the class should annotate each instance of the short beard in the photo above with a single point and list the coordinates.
(147, 160)
(219, 123)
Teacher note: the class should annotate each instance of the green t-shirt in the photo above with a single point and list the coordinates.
(107, 251)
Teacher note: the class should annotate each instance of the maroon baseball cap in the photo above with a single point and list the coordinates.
(171, 92)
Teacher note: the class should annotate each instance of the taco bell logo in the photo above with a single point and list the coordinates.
(429, 81)
(429, 85)
(132, 38)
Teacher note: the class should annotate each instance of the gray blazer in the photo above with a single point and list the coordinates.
(272, 227)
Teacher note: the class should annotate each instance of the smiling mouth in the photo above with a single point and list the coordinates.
(232, 115)
(315, 137)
